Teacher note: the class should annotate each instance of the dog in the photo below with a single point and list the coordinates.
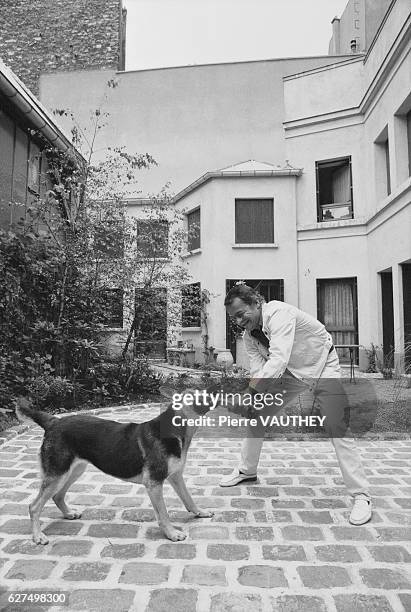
(144, 453)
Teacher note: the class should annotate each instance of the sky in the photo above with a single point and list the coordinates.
(164, 33)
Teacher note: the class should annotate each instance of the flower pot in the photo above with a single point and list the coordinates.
(224, 358)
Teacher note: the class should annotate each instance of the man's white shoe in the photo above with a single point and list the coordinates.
(361, 511)
(236, 477)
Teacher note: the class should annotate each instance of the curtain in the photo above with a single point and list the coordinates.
(341, 185)
(338, 310)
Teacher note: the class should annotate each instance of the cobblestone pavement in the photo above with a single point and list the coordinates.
(283, 544)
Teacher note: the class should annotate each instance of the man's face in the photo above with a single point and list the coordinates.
(245, 315)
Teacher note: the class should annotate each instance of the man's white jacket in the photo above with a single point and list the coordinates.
(298, 343)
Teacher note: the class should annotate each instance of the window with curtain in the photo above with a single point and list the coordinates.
(337, 309)
(193, 230)
(254, 221)
(334, 189)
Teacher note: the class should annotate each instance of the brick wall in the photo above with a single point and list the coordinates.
(48, 35)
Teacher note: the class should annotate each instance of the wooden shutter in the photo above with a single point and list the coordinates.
(7, 129)
(254, 221)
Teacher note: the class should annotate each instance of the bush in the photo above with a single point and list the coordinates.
(53, 392)
(121, 380)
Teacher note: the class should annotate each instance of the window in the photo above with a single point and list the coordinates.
(111, 307)
(191, 305)
(193, 230)
(334, 189)
(254, 221)
(109, 237)
(34, 169)
(152, 238)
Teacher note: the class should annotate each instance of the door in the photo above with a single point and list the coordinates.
(387, 306)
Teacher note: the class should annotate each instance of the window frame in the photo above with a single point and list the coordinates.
(332, 205)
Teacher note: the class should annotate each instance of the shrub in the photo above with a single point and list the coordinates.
(53, 392)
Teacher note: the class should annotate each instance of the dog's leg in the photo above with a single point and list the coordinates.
(155, 493)
(47, 488)
(177, 482)
(58, 498)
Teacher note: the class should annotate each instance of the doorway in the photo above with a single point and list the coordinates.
(270, 289)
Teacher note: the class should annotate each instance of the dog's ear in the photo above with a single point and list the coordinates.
(167, 392)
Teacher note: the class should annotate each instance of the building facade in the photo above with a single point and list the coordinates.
(329, 230)
(354, 213)
(355, 30)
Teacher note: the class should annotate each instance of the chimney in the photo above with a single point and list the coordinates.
(336, 36)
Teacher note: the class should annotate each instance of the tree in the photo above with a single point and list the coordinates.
(77, 245)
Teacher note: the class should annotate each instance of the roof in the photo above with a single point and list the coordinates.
(37, 115)
(247, 169)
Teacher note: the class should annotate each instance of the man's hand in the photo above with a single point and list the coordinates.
(237, 405)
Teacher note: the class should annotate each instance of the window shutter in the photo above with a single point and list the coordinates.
(254, 221)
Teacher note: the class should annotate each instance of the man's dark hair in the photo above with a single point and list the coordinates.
(244, 292)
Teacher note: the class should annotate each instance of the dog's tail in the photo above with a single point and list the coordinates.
(24, 411)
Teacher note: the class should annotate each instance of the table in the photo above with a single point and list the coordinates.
(351, 348)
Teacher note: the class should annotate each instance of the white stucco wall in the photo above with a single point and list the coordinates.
(218, 259)
(323, 90)
(191, 119)
(371, 97)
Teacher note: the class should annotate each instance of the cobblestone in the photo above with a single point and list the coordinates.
(281, 545)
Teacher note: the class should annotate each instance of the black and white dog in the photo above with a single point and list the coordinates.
(144, 453)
